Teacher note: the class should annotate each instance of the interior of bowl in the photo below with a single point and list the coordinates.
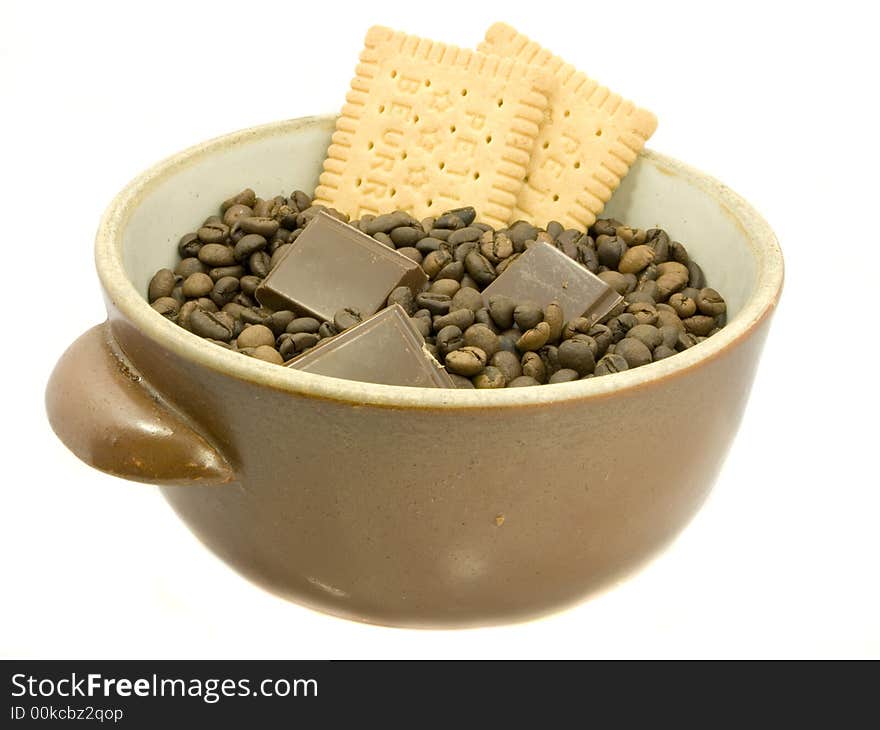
(141, 229)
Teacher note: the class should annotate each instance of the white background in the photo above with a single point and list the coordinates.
(777, 100)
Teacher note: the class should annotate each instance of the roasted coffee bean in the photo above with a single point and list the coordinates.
(267, 354)
(435, 261)
(479, 335)
(189, 245)
(611, 363)
(464, 235)
(168, 307)
(279, 321)
(564, 375)
(254, 316)
(647, 334)
(479, 268)
(554, 316)
(461, 318)
(466, 215)
(577, 354)
(224, 290)
(260, 263)
(216, 254)
(213, 232)
(520, 232)
(449, 338)
(533, 366)
(710, 303)
(527, 315)
(668, 284)
(453, 270)
(497, 248)
(188, 266)
(406, 235)
(636, 259)
(523, 381)
(346, 318)
(575, 326)
(490, 378)
(508, 363)
(428, 244)
(303, 324)
(650, 289)
(699, 324)
(249, 284)
(461, 382)
(161, 285)
(387, 222)
(501, 309)
(610, 250)
(449, 222)
(507, 340)
(638, 296)
(185, 311)
(197, 285)
(413, 254)
(423, 325)
(668, 335)
(434, 303)
(236, 211)
(696, 278)
(404, 297)
(260, 225)
(247, 245)
(276, 256)
(468, 361)
(384, 239)
(685, 341)
(246, 197)
(255, 335)
(534, 338)
(462, 251)
(644, 312)
(218, 273)
(661, 352)
(683, 306)
(444, 286)
(214, 325)
(616, 281)
(634, 351)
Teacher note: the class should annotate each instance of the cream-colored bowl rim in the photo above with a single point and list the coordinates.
(131, 303)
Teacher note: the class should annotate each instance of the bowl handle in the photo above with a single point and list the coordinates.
(110, 417)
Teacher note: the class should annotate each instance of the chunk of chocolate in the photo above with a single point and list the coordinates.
(332, 265)
(543, 274)
(386, 348)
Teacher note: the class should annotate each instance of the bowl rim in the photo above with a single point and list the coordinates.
(123, 295)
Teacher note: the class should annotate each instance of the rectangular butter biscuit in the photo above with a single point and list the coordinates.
(428, 127)
(587, 144)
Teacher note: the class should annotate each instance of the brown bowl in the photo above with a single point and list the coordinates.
(380, 503)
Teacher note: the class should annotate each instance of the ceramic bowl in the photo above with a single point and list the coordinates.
(385, 504)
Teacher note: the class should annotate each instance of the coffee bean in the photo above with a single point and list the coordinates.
(213, 232)
(461, 318)
(346, 318)
(224, 290)
(216, 254)
(696, 278)
(508, 363)
(219, 272)
(668, 318)
(534, 338)
(479, 335)
(422, 324)
(435, 261)
(188, 266)
(636, 259)
(166, 306)
(496, 247)
(434, 303)
(554, 316)
(161, 285)
(533, 366)
(634, 351)
(464, 235)
(638, 297)
(467, 361)
(644, 312)
(699, 324)
(449, 222)
(260, 263)
(668, 335)
(683, 306)
(387, 222)
(214, 325)
(564, 375)
(197, 285)
(479, 268)
(303, 324)
(449, 338)
(490, 378)
(710, 302)
(255, 335)
(523, 381)
(278, 322)
(254, 316)
(247, 245)
(577, 355)
(404, 297)
(466, 215)
(610, 250)
(292, 344)
(507, 340)
(611, 363)
(661, 352)
(520, 232)
(261, 225)
(236, 211)
(267, 353)
(527, 315)
(501, 309)
(406, 235)
(647, 334)
(444, 286)
(246, 197)
(685, 341)
(616, 281)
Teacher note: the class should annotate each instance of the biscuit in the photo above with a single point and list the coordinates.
(428, 127)
(585, 147)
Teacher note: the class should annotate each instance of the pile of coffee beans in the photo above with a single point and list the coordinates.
(667, 306)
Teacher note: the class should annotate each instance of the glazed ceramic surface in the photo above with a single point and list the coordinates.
(382, 503)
